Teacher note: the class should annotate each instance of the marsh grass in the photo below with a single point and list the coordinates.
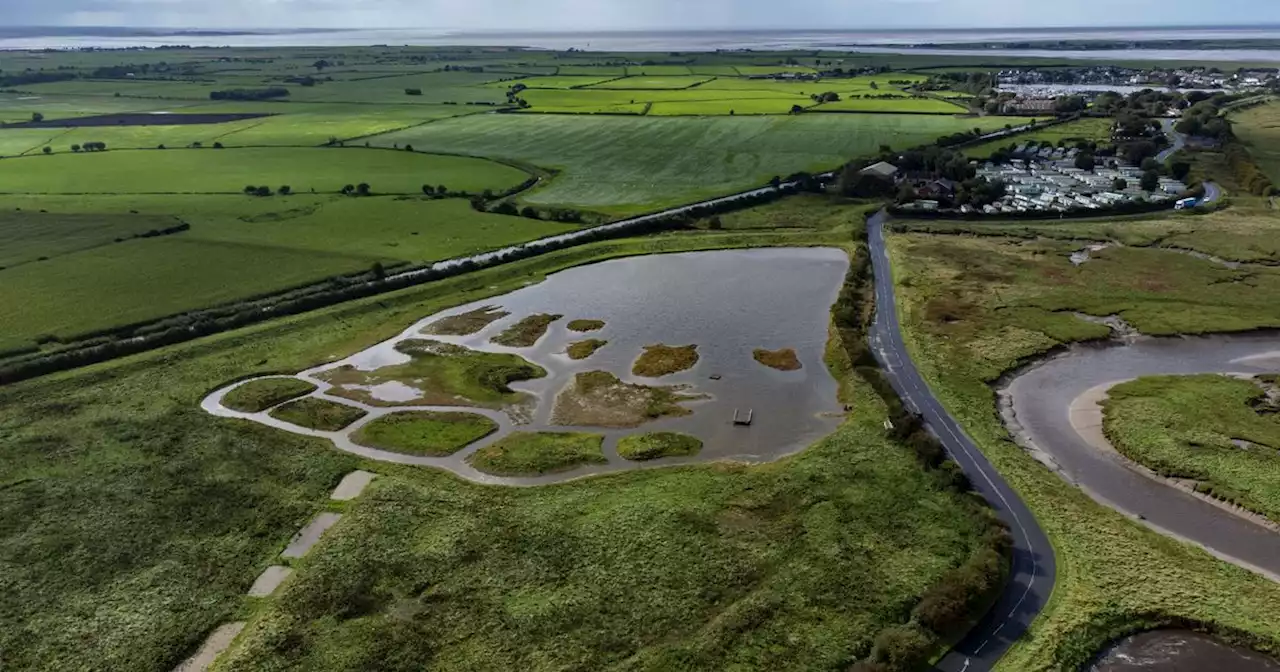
(467, 323)
(641, 447)
(584, 349)
(582, 326)
(526, 332)
(535, 453)
(1184, 426)
(782, 360)
(259, 395)
(315, 413)
(599, 399)
(663, 360)
(425, 433)
(445, 374)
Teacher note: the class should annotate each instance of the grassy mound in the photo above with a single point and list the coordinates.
(584, 349)
(640, 447)
(425, 433)
(586, 325)
(661, 360)
(599, 399)
(526, 332)
(445, 374)
(782, 360)
(1220, 432)
(533, 453)
(466, 323)
(259, 395)
(314, 413)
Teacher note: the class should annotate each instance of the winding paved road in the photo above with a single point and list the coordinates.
(1034, 571)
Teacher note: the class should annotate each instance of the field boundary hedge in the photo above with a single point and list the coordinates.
(103, 345)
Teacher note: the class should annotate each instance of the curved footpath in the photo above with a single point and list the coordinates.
(1033, 573)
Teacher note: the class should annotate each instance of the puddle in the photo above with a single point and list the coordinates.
(1081, 256)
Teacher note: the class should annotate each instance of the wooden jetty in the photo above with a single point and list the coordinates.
(743, 420)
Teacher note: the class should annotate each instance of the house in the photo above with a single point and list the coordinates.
(882, 170)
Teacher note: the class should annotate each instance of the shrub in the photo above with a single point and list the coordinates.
(902, 647)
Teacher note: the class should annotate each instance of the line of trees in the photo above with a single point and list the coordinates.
(250, 94)
(947, 607)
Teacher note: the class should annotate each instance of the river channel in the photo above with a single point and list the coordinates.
(727, 302)
(1038, 406)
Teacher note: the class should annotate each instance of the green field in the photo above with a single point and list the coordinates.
(33, 236)
(902, 105)
(238, 246)
(1187, 428)
(973, 308)
(1088, 130)
(1259, 128)
(316, 413)
(623, 165)
(324, 170)
(643, 83)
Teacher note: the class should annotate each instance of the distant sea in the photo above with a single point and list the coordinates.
(868, 41)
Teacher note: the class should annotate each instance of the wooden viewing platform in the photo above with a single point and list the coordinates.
(741, 420)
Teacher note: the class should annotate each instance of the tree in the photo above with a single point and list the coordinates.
(1085, 162)
(442, 190)
(347, 189)
(284, 190)
(161, 146)
(75, 148)
(263, 191)
(408, 148)
(1150, 163)
(796, 109)
(428, 190)
(36, 117)
(1150, 180)
(217, 145)
(507, 208)
(1179, 170)
(362, 189)
(250, 190)
(1120, 184)
(875, 87)
(529, 212)
(379, 272)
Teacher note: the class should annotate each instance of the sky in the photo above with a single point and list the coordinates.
(568, 15)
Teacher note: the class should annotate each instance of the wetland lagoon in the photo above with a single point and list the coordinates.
(660, 347)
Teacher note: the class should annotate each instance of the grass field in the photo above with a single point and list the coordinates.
(238, 246)
(903, 105)
(643, 83)
(1184, 427)
(1259, 128)
(972, 309)
(1088, 130)
(622, 165)
(229, 170)
(147, 279)
(170, 513)
(30, 236)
